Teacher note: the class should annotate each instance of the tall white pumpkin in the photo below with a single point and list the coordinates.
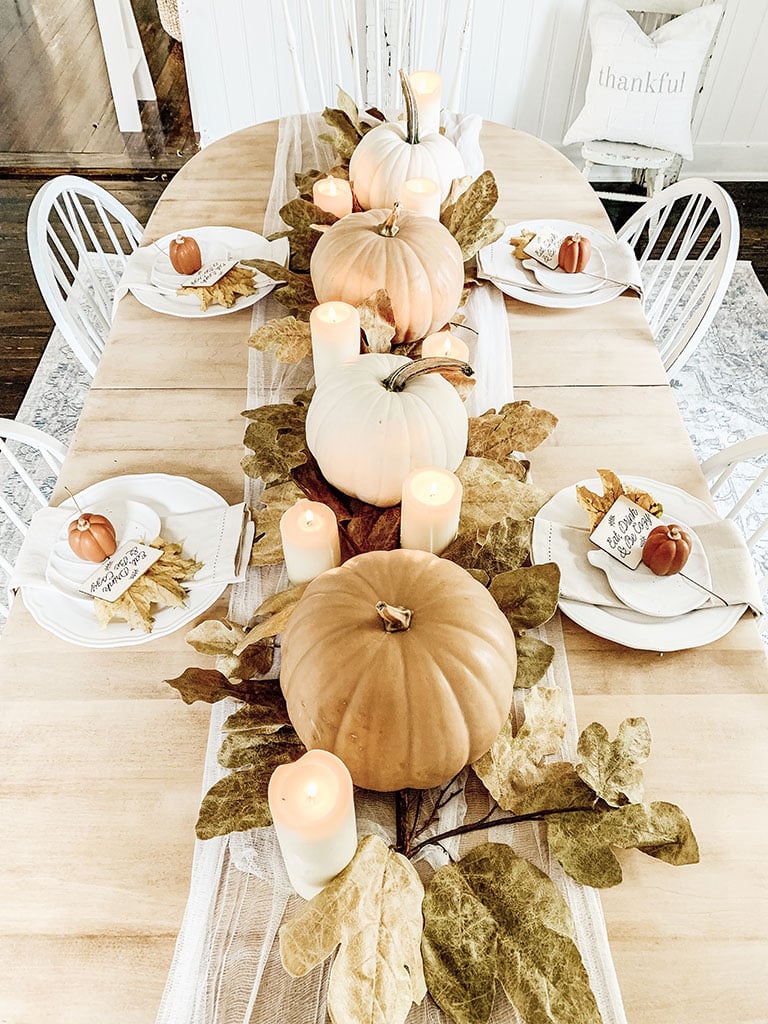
(369, 426)
(391, 153)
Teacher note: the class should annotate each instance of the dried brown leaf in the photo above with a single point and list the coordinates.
(611, 767)
(209, 685)
(273, 616)
(533, 659)
(527, 596)
(295, 291)
(238, 802)
(490, 495)
(517, 426)
(276, 439)
(290, 339)
(267, 543)
(507, 546)
(468, 217)
(377, 319)
(343, 135)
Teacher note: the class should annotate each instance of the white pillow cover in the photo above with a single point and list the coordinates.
(640, 87)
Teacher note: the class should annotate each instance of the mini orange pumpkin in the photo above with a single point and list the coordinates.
(184, 253)
(92, 537)
(666, 550)
(574, 254)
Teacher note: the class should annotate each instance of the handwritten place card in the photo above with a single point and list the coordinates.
(113, 577)
(624, 530)
(544, 247)
(210, 273)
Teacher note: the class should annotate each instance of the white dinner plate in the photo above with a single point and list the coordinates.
(239, 243)
(164, 276)
(661, 596)
(623, 625)
(74, 620)
(499, 265)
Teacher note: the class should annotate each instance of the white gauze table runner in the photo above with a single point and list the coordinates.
(226, 967)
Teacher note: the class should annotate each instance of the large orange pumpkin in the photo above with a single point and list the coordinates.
(402, 665)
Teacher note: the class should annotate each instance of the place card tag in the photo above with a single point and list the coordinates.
(623, 531)
(210, 273)
(124, 567)
(544, 247)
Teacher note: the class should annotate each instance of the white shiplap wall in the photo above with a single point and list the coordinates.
(526, 65)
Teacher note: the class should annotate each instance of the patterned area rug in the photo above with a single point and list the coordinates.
(722, 392)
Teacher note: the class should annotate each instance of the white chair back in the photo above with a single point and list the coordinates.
(686, 240)
(30, 462)
(304, 50)
(736, 477)
(79, 237)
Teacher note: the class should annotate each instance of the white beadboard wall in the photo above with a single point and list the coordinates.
(526, 63)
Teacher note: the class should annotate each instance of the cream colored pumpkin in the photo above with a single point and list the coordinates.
(391, 153)
(402, 709)
(367, 434)
(415, 258)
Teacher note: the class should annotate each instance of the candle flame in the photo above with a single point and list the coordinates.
(331, 187)
(311, 790)
(433, 489)
(309, 517)
(447, 345)
(333, 316)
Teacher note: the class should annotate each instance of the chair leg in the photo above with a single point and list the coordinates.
(587, 168)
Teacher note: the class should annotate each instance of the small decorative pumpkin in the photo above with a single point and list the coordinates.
(184, 253)
(372, 421)
(574, 253)
(402, 665)
(390, 154)
(92, 537)
(415, 258)
(666, 550)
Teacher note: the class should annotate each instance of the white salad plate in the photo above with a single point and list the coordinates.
(73, 619)
(132, 520)
(624, 625)
(570, 284)
(227, 243)
(499, 265)
(661, 596)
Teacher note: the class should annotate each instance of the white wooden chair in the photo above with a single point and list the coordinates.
(30, 461)
(735, 477)
(653, 168)
(291, 58)
(127, 68)
(686, 240)
(79, 238)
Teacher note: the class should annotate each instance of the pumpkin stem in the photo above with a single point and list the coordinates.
(390, 227)
(395, 619)
(411, 111)
(403, 375)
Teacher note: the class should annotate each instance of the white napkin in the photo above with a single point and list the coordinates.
(220, 538)
(464, 131)
(730, 564)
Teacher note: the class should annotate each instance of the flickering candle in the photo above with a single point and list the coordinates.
(421, 195)
(335, 330)
(430, 510)
(313, 810)
(310, 536)
(334, 195)
(427, 87)
(443, 343)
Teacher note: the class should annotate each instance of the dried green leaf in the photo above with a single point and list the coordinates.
(468, 217)
(463, 549)
(343, 135)
(215, 637)
(305, 180)
(507, 545)
(553, 786)
(582, 840)
(210, 686)
(295, 291)
(480, 575)
(490, 494)
(238, 802)
(492, 917)
(256, 660)
(243, 749)
(513, 760)
(611, 767)
(267, 543)
(372, 913)
(301, 215)
(289, 338)
(267, 714)
(275, 437)
(527, 596)
(377, 319)
(517, 426)
(348, 106)
(533, 659)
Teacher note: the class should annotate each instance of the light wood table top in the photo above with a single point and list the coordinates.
(102, 763)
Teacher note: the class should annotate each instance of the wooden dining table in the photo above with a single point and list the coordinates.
(101, 761)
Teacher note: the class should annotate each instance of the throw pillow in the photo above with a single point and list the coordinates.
(640, 87)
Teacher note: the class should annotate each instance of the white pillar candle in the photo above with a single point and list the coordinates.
(335, 330)
(334, 195)
(427, 86)
(313, 809)
(310, 536)
(443, 343)
(421, 195)
(430, 510)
